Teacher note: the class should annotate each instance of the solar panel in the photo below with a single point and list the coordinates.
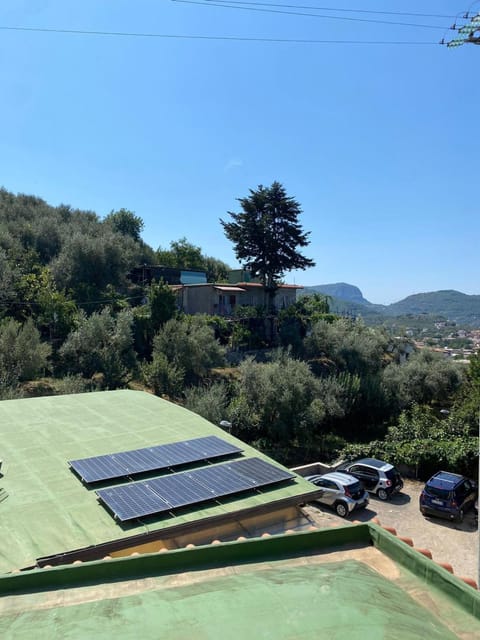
(260, 471)
(181, 489)
(133, 501)
(128, 463)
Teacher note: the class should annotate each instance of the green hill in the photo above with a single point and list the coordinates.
(451, 305)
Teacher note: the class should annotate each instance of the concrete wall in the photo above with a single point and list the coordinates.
(314, 468)
(198, 299)
(273, 522)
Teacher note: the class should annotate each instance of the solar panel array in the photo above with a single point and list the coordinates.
(141, 499)
(128, 463)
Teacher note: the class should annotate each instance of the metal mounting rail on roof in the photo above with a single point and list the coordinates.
(186, 488)
(129, 463)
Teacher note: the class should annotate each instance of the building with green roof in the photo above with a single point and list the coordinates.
(47, 512)
(251, 565)
(354, 582)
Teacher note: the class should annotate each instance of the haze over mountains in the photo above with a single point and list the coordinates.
(452, 305)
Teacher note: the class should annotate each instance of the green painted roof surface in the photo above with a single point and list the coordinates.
(48, 510)
(357, 582)
(335, 600)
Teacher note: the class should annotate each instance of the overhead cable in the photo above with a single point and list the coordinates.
(209, 3)
(338, 10)
(129, 34)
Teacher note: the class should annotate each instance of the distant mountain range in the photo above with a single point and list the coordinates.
(452, 305)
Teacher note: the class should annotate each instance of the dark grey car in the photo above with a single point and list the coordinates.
(341, 491)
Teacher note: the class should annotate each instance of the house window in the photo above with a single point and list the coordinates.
(226, 304)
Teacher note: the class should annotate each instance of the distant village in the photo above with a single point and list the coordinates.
(448, 339)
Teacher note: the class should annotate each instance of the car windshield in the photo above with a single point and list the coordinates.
(439, 493)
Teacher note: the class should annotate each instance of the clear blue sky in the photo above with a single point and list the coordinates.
(379, 143)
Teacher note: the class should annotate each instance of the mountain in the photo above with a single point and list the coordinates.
(341, 290)
(453, 305)
(450, 304)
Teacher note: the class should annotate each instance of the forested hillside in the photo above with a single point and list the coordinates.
(450, 305)
(71, 321)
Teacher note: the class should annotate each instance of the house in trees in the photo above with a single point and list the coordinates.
(223, 299)
(196, 295)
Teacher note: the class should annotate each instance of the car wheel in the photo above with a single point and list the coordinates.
(460, 516)
(341, 509)
(382, 494)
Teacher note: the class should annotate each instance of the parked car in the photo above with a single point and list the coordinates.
(378, 477)
(342, 492)
(448, 495)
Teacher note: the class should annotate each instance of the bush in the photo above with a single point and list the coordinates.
(189, 344)
(210, 402)
(424, 443)
(102, 344)
(22, 354)
(163, 376)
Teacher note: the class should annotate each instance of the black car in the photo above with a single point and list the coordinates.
(448, 495)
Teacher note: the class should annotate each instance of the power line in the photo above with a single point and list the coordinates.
(467, 33)
(12, 302)
(209, 3)
(127, 34)
(338, 10)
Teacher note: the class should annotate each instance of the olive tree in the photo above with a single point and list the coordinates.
(102, 344)
(189, 343)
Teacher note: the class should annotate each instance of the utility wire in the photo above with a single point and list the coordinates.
(22, 303)
(127, 34)
(209, 3)
(337, 10)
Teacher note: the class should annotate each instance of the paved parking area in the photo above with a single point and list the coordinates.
(450, 542)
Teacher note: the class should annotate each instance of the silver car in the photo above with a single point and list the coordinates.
(341, 491)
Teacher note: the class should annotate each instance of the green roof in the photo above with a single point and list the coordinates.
(48, 510)
(355, 582)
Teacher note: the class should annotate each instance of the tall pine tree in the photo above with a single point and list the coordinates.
(266, 235)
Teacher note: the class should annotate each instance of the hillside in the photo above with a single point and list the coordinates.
(449, 304)
(340, 290)
(453, 305)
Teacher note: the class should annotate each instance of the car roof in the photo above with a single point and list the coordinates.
(445, 480)
(336, 476)
(373, 462)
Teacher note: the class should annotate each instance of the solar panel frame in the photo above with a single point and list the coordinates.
(156, 458)
(188, 488)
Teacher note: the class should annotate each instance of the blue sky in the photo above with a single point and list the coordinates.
(378, 143)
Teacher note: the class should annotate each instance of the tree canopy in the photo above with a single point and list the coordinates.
(126, 222)
(267, 235)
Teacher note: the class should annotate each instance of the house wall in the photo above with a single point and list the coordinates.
(256, 297)
(206, 299)
(198, 299)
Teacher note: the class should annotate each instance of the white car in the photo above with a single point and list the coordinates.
(377, 476)
(342, 492)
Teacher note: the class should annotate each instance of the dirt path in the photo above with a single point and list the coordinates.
(449, 542)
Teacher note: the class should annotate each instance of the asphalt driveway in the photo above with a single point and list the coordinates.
(451, 542)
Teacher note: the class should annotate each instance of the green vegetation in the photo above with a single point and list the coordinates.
(301, 384)
(266, 235)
